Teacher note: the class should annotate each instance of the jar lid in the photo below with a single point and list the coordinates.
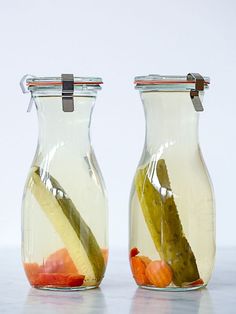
(156, 79)
(31, 83)
(194, 83)
(57, 81)
(65, 86)
(167, 81)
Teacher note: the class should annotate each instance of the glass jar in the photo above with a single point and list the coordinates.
(64, 208)
(172, 215)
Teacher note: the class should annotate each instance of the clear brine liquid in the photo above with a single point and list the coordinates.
(64, 209)
(171, 136)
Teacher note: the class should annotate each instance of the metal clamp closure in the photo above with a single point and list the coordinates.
(67, 92)
(194, 93)
(24, 87)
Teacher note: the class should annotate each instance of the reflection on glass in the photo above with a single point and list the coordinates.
(193, 302)
(39, 301)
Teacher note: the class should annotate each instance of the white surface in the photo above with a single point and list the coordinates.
(118, 292)
(117, 40)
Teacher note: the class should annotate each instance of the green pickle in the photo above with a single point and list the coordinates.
(163, 222)
(69, 224)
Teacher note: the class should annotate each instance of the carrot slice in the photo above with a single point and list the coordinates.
(133, 252)
(197, 282)
(32, 270)
(159, 273)
(145, 259)
(59, 262)
(138, 269)
(59, 280)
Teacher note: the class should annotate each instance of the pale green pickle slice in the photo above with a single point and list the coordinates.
(162, 219)
(67, 221)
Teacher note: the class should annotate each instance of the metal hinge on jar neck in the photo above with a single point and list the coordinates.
(25, 89)
(67, 92)
(194, 93)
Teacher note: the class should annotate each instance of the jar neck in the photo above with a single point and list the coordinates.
(171, 121)
(62, 129)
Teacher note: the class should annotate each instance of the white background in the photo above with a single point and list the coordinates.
(117, 40)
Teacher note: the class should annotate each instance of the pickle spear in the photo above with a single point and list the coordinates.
(152, 206)
(162, 218)
(67, 221)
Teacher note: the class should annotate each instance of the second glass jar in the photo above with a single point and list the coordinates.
(172, 215)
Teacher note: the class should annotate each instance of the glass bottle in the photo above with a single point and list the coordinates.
(64, 208)
(172, 215)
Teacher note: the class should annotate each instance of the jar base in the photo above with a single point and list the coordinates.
(65, 289)
(173, 289)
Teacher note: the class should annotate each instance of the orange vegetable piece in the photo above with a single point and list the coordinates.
(59, 262)
(32, 270)
(145, 259)
(197, 282)
(133, 252)
(59, 280)
(138, 268)
(159, 273)
(105, 255)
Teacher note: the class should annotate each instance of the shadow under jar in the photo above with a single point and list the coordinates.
(64, 208)
(172, 214)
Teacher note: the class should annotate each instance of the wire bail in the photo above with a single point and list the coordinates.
(25, 90)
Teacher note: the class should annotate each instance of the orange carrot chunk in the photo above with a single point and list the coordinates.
(145, 259)
(59, 280)
(197, 282)
(59, 262)
(159, 273)
(138, 269)
(32, 270)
